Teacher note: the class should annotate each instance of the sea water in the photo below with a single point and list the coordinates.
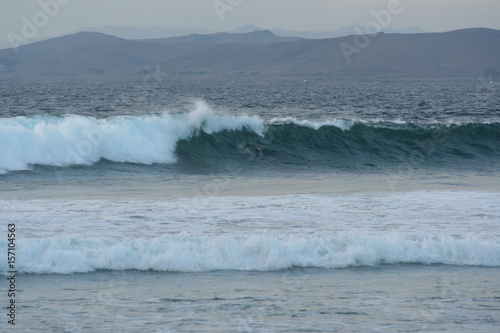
(251, 207)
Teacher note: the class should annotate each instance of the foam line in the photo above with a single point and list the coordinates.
(185, 253)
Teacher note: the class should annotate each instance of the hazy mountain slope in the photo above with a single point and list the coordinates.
(51, 47)
(84, 56)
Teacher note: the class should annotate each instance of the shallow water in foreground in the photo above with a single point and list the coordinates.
(402, 298)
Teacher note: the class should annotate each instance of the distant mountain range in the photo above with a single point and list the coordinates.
(257, 55)
(165, 32)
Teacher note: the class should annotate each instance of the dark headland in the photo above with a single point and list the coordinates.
(257, 56)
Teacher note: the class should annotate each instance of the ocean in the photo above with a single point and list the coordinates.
(250, 207)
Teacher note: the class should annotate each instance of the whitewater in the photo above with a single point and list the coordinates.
(258, 234)
(63, 141)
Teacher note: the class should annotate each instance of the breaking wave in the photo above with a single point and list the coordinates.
(184, 253)
(204, 135)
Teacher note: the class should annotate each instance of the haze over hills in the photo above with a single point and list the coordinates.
(146, 32)
(258, 55)
(255, 37)
(320, 34)
(128, 32)
(164, 32)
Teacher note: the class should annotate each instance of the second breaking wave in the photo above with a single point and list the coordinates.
(185, 253)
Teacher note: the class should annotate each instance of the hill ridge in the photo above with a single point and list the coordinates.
(458, 54)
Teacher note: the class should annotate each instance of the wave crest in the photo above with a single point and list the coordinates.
(184, 253)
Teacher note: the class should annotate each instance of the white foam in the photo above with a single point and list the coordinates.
(69, 140)
(343, 124)
(184, 253)
(255, 233)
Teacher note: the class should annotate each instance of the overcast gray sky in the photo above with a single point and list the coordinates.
(56, 17)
